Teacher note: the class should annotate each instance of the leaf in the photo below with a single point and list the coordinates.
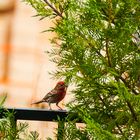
(3, 99)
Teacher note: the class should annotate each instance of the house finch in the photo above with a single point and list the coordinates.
(55, 95)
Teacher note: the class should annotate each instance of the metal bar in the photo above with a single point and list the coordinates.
(40, 114)
(36, 114)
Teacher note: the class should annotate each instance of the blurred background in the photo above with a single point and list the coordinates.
(24, 65)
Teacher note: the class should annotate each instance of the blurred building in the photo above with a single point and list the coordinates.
(24, 65)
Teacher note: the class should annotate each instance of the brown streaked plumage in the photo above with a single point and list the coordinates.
(56, 95)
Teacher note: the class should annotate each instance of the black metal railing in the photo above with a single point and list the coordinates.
(40, 115)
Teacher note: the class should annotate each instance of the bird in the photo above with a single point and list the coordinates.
(55, 95)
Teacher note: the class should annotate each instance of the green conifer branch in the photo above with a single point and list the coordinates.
(53, 8)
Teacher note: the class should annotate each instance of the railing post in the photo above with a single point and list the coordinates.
(60, 133)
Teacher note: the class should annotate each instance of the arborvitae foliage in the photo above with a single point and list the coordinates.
(100, 53)
(10, 130)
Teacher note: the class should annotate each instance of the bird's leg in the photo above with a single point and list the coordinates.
(50, 106)
(58, 106)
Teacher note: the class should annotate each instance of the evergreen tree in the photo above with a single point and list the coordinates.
(100, 53)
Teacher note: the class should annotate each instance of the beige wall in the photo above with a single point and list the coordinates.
(23, 58)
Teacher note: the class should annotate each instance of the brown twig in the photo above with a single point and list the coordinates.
(53, 8)
(109, 115)
(107, 52)
(132, 111)
(127, 85)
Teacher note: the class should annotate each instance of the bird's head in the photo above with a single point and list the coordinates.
(61, 85)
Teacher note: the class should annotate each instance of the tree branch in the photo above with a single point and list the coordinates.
(53, 8)
(134, 116)
(110, 14)
(110, 115)
(107, 52)
(132, 110)
(127, 85)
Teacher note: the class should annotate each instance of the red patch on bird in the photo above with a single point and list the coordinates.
(61, 82)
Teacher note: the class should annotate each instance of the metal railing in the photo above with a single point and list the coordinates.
(40, 115)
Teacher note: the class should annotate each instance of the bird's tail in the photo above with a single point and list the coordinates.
(38, 102)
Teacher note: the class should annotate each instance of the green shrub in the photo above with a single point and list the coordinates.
(99, 53)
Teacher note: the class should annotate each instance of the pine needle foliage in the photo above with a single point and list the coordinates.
(98, 49)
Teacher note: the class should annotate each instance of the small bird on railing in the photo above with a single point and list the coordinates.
(55, 95)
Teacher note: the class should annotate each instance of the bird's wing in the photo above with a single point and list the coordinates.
(52, 93)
